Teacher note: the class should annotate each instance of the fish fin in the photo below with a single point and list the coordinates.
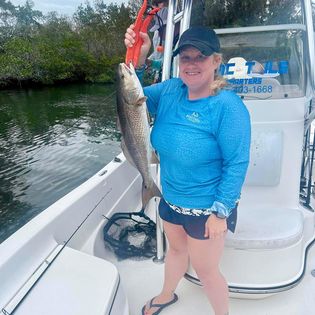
(118, 127)
(141, 100)
(154, 158)
(149, 117)
(148, 193)
(126, 153)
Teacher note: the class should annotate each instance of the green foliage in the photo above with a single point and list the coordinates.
(102, 30)
(26, 16)
(135, 5)
(53, 48)
(7, 17)
(16, 61)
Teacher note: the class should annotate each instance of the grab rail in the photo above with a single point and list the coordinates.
(311, 55)
(310, 40)
(264, 28)
(173, 17)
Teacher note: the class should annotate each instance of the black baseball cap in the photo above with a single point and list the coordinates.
(201, 37)
(155, 2)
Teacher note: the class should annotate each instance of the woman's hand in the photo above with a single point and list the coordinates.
(215, 227)
(130, 40)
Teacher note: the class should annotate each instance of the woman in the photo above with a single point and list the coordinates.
(202, 135)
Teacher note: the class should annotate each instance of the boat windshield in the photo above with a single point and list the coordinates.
(234, 13)
(262, 45)
(264, 64)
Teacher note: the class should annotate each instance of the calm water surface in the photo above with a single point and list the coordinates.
(51, 140)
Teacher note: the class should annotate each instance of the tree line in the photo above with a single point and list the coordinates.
(46, 49)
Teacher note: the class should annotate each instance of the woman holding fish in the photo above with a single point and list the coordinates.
(202, 135)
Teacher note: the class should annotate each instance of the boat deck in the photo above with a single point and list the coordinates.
(143, 279)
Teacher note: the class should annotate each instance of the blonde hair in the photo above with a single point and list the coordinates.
(219, 82)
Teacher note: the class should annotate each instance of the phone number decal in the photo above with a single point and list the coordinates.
(244, 89)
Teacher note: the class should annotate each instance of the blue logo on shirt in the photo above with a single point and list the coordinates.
(194, 117)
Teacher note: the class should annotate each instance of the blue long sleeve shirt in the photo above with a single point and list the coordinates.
(203, 145)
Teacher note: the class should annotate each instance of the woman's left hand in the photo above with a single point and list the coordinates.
(215, 227)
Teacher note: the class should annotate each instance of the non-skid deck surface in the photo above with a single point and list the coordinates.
(143, 279)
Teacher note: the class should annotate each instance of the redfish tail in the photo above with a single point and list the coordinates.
(148, 193)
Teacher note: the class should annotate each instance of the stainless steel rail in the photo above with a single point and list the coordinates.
(175, 14)
(310, 40)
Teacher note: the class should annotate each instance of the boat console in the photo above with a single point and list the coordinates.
(271, 68)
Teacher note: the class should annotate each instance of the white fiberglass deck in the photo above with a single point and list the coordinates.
(143, 279)
(87, 207)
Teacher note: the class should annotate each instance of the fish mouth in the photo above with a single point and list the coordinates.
(125, 72)
(130, 69)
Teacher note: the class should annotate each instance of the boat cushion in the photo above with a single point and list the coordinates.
(266, 229)
(75, 284)
(266, 149)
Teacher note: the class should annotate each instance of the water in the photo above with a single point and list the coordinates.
(51, 140)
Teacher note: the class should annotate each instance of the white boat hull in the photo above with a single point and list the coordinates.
(74, 224)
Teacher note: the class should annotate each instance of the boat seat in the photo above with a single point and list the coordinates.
(266, 229)
(75, 284)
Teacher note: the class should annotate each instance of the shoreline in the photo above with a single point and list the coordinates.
(14, 84)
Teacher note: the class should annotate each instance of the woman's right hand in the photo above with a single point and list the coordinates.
(130, 40)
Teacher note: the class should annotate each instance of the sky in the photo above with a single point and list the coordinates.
(67, 7)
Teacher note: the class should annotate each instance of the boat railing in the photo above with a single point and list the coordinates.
(265, 28)
(310, 40)
(176, 13)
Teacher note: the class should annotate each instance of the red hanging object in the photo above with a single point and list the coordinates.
(141, 25)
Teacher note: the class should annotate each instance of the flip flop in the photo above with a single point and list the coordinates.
(160, 306)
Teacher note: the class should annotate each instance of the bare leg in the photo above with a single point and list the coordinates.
(205, 257)
(176, 264)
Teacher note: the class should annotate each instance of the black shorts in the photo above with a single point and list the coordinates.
(193, 225)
